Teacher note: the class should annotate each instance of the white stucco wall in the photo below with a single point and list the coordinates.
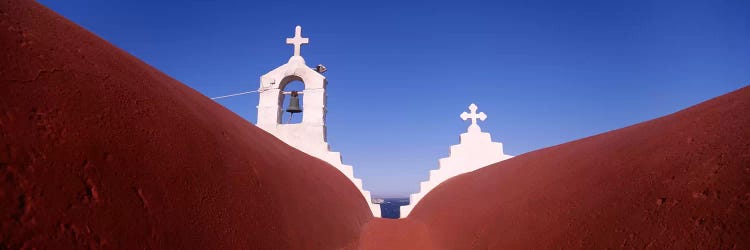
(475, 150)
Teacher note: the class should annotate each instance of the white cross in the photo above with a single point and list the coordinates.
(473, 116)
(297, 40)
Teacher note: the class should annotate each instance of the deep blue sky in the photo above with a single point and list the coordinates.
(400, 72)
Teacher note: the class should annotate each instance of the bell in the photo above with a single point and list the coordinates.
(294, 104)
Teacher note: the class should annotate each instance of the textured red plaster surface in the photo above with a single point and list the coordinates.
(395, 234)
(100, 150)
(681, 182)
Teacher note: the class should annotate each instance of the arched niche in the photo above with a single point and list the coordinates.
(289, 84)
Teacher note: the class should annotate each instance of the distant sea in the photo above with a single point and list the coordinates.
(391, 207)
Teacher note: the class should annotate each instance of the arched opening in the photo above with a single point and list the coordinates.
(294, 84)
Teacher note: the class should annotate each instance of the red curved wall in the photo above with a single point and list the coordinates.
(98, 149)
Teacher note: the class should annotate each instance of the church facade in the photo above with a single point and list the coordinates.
(309, 135)
(475, 150)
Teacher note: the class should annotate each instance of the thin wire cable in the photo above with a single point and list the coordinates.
(243, 93)
(249, 92)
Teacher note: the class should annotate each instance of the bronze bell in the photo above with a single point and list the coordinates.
(294, 104)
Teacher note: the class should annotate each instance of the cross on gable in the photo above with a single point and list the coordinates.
(473, 116)
(297, 40)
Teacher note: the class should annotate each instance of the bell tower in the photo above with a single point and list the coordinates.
(308, 136)
(311, 131)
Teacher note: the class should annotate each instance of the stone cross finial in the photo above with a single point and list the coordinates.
(473, 116)
(297, 40)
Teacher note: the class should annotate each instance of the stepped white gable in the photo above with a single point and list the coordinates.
(475, 150)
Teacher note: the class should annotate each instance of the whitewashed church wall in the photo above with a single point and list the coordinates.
(475, 150)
